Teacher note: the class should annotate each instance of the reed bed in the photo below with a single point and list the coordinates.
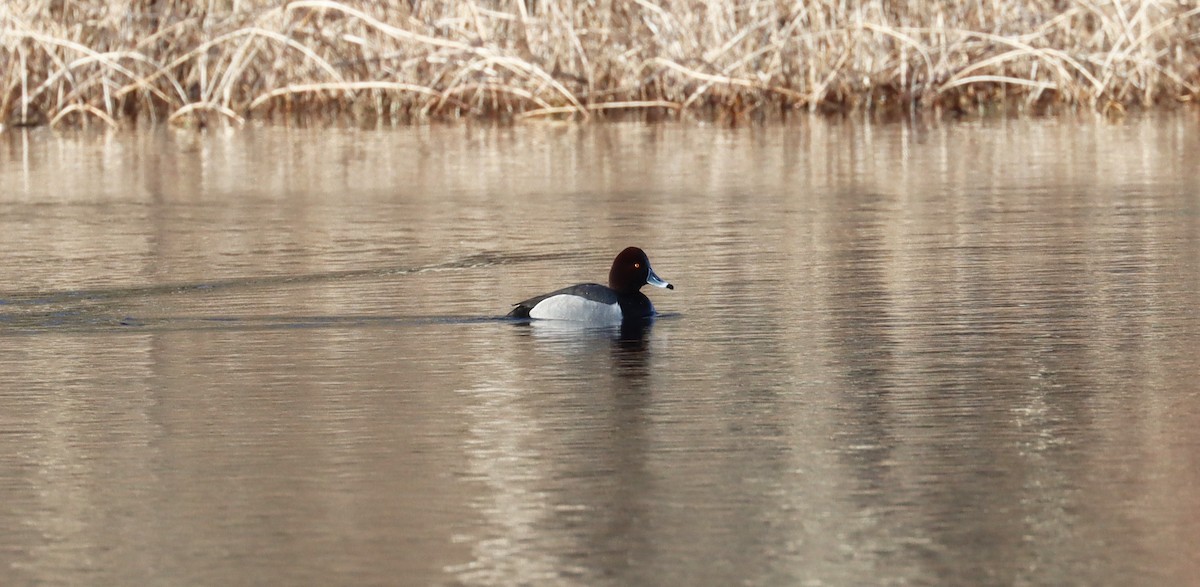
(198, 61)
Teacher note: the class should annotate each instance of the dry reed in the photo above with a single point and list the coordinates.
(78, 61)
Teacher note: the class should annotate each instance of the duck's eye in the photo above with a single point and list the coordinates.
(637, 265)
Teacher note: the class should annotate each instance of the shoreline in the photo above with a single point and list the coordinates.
(88, 62)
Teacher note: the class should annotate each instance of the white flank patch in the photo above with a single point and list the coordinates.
(564, 307)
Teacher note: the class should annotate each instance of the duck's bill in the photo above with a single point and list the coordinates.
(657, 281)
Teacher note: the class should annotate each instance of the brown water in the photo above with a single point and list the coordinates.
(960, 354)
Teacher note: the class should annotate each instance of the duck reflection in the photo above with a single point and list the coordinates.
(560, 440)
(627, 344)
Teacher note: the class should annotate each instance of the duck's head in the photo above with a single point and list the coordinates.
(631, 270)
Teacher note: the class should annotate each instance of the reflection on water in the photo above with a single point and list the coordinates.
(929, 354)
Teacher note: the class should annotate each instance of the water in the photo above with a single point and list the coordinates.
(900, 354)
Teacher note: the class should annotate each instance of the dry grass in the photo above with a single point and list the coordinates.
(108, 61)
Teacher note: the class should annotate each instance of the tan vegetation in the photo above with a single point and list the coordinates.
(81, 61)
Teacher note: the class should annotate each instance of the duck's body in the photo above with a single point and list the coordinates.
(586, 302)
(619, 301)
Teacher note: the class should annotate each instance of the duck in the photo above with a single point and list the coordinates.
(620, 301)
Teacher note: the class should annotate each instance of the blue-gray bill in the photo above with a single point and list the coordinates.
(657, 281)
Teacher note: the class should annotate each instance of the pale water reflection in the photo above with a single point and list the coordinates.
(898, 354)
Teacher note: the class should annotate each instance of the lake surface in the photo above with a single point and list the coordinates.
(906, 354)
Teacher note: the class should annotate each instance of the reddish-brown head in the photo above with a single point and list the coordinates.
(631, 270)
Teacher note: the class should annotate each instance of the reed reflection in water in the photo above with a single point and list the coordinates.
(931, 354)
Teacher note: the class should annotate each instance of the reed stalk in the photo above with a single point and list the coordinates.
(113, 62)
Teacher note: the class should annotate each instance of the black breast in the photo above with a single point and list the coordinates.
(635, 306)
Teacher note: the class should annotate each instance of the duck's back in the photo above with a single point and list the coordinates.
(586, 302)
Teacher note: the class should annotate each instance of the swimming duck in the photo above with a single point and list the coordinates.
(621, 300)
